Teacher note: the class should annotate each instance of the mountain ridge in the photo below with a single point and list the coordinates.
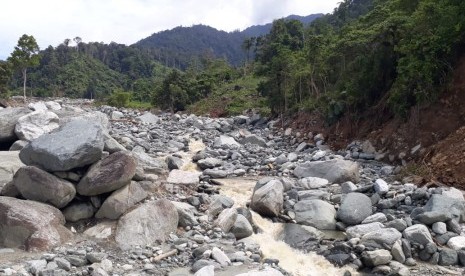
(180, 46)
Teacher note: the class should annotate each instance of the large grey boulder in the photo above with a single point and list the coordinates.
(149, 118)
(308, 183)
(31, 225)
(317, 213)
(36, 184)
(147, 162)
(354, 209)
(268, 199)
(442, 208)
(335, 171)
(298, 236)
(358, 231)
(224, 140)
(148, 223)
(35, 124)
(76, 144)
(381, 238)
(226, 219)
(183, 177)
(111, 145)
(254, 140)
(93, 117)
(109, 174)
(77, 211)
(186, 213)
(376, 257)
(9, 118)
(418, 233)
(209, 163)
(242, 227)
(121, 200)
(9, 164)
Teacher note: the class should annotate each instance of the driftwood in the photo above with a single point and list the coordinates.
(124, 121)
(165, 255)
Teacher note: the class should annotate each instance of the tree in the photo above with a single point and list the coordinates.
(5, 75)
(78, 40)
(66, 42)
(26, 54)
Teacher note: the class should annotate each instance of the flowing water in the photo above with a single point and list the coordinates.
(295, 262)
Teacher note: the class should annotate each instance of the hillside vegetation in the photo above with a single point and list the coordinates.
(368, 57)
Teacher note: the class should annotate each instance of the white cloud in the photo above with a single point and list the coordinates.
(127, 21)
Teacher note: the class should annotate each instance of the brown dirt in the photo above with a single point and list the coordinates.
(439, 128)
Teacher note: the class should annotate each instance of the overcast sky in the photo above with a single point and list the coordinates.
(128, 21)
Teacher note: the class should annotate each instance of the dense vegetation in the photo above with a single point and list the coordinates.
(381, 56)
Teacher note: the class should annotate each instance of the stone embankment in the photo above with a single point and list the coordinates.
(106, 191)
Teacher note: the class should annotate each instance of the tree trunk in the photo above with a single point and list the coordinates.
(24, 83)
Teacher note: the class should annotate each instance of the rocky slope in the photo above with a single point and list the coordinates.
(102, 191)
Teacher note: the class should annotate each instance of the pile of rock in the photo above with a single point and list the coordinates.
(386, 226)
(70, 169)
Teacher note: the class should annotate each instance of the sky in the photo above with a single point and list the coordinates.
(128, 21)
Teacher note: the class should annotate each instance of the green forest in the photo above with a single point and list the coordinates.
(368, 57)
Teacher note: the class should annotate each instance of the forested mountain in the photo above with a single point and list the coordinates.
(181, 46)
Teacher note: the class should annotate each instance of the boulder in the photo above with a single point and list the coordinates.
(457, 243)
(298, 236)
(37, 106)
(109, 174)
(152, 221)
(121, 200)
(35, 124)
(335, 171)
(51, 105)
(10, 117)
(354, 209)
(183, 177)
(224, 140)
(174, 163)
(308, 183)
(418, 233)
(209, 163)
(376, 257)
(448, 207)
(149, 118)
(268, 200)
(381, 238)
(78, 211)
(254, 140)
(448, 257)
(31, 225)
(111, 145)
(226, 219)
(93, 117)
(317, 213)
(36, 184)
(76, 144)
(147, 162)
(358, 231)
(381, 186)
(9, 164)
(242, 227)
(186, 213)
